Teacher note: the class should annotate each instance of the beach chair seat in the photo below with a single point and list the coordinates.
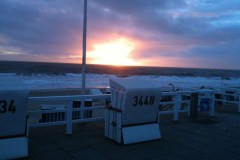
(13, 119)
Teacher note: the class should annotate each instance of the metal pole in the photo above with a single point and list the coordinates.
(84, 47)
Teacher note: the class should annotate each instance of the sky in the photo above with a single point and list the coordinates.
(169, 33)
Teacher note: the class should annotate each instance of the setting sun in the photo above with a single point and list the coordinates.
(115, 52)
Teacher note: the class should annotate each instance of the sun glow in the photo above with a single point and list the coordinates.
(113, 53)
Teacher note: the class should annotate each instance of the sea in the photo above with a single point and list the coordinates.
(43, 75)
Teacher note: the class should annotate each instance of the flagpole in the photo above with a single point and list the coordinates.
(84, 47)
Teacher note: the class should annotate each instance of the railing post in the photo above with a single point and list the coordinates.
(177, 103)
(238, 95)
(224, 98)
(188, 106)
(69, 118)
(211, 104)
(82, 111)
(158, 117)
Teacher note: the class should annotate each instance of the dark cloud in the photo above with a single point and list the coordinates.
(138, 6)
(42, 28)
(225, 49)
(140, 15)
(164, 28)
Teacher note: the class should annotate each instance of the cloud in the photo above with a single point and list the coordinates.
(42, 28)
(135, 7)
(161, 29)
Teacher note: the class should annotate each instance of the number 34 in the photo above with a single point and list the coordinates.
(4, 107)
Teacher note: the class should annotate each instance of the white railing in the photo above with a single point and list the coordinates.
(230, 96)
(224, 98)
(176, 101)
(68, 110)
(179, 99)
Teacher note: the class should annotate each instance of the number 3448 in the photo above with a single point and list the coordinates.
(143, 100)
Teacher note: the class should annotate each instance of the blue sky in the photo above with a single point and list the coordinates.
(172, 33)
